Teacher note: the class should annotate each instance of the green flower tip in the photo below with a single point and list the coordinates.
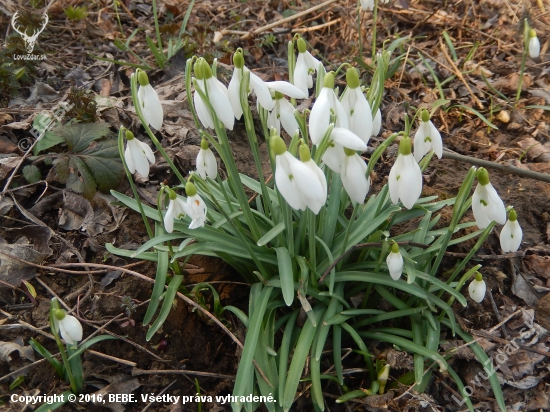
(277, 145)
(482, 176)
(278, 95)
(301, 45)
(425, 115)
(142, 78)
(479, 277)
(129, 135)
(171, 194)
(238, 59)
(512, 215)
(352, 78)
(59, 314)
(532, 33)
(349, 152)
(204, 144)
(329, 80)
(405, 147)
(190, 189)
(202, 69)
(305, 154)
(384, 374)
(394, 247)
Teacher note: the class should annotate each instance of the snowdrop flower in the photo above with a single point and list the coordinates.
(427, 137)
(69, 327)
(196, 208)
(282, 113)
(326, 105)
(207, 165)
(477, 288)
(300, 184)
(377, 123)
(486, 204)
(357, 107)
(306, 64)
(534, 44)
(395, 262)
(511, 234)
(217, 95)
(405, 181)
(340, 139)
(149, 102)
(354, 176)
(369, 4)
(138, 155)
(177, 209)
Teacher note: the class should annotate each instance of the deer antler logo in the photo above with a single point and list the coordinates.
(30, 41)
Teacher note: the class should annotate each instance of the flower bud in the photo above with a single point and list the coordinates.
(482, 176)
(238, 58)
(278, 145)
(405, 147)
(328, 81)
(425, 115)
(129, 135)
(352, 78)
(305, 154)
(142, 78)
(302, 47)
(190, 189)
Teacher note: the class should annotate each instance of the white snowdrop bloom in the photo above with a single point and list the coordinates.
(282, 113)
(177, 209)
(326, 105)
(149, 102)
(137, 155)
(477, 288)
(427, 137)
(306, 64)
(340, 139)
(207, 165)
(534, 44)
(196, 209)
(354, 178)
(377, 123)
(297, 182)
(315, 198)
(405, 180)
(486, 204)
(511, 234)
(357, 107)
(334, 156)
(217, 95)
(69, 327)
(395, 262)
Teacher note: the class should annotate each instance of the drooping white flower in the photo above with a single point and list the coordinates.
(511, 234)
(486, 204)
(534, 44)
(405, 180)
(177, 209)
(314, 198)
(207, 165)
(306, 64)
(395, 262)
(196, 209)
(477, 288)
(340, 139)
(149, 102)
(69, 327)
(282, 113)
(357, 107)
(137, 155)
(299, 183)
(325, 105)
(354, 178)
(377, 123)
(427, 137)
(217, 95)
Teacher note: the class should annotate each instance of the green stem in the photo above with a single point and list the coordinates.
(157, 29)
(374, 21)
(524, 57)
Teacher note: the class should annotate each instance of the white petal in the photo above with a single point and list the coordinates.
(367, 4)
(377, 123)
(211, 164)
(334, 157)
(437, 142)
(152, 107)
(234, 92)
(148, 152)
(262, 92)
(395, 265)
(511, 236)
(348, 103)
(320, 177)
(300, 74)
(138, 155)
(220, 102)
(307, 182)
(201, 164)
(354, 178)
(482, 221)
(477, 290)
(534, 47)
(202, 111)
(169, 217)
(273, 119)
(495, 209)
(70, 329)
(284, 184)
(360, 121)
(421, 146)
(347, 139)
(319, 117)
(129, 159)
(197, 211)
(286, 88)
(394, 179)
(410, 185)
(286, 113)
(341, 116)
(311, 62)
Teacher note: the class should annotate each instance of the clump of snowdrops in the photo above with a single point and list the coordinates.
(320, 250)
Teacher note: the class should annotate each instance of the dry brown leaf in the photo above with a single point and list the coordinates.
(535, 150)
